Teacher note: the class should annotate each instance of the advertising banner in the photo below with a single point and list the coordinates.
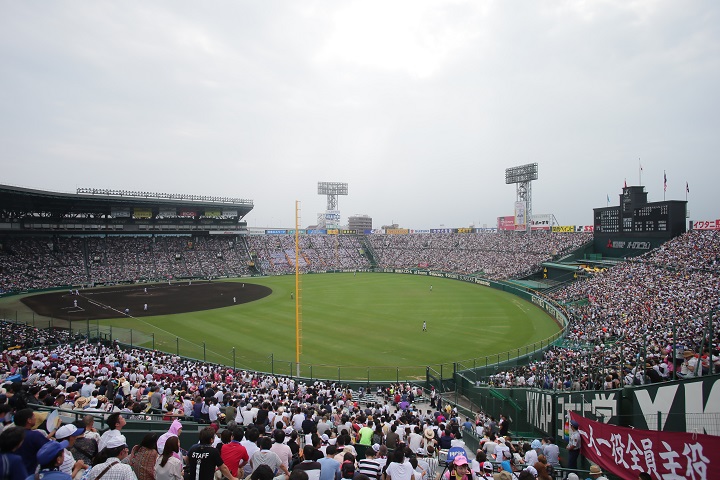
(229, 213)
(276, 232)
(167, 212)
(706, 225)
(563, 228)
(626, 452)
(142, 213)
(541, 222)
(506, 223)
(212, 213)
(120, 212)
(349, 232)
(420, 231)
(188, 213)
(333, 231)
(520, 215)
(679, 405)
(441, 230)
(397, 231)
(464, 230)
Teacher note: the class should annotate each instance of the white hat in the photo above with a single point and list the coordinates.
(116, 441)
(67, 431)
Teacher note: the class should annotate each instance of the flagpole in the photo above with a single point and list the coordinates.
(639, 172)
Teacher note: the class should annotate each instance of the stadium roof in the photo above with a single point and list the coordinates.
(18, 202)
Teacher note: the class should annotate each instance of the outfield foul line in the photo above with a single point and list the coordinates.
(102, 305)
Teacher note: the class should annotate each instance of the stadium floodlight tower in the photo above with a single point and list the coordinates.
(522, 176)
(332, 190)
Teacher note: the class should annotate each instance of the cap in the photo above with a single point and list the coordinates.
(460, 460)
(68, 430)
(535, 444)
(50, 451)
(573, 476)
(116, 441)
(324, 437)
(487, 466)
(595, 469)
(575, 424)
(376, 447)
(532, 470)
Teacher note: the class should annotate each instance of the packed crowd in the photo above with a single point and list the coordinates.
(35, 263)
(300, 423)
(317, 252)
(651, 318)
(32, 263)
(14, 334)
(262, 427)
(647, 320)
(498, 255)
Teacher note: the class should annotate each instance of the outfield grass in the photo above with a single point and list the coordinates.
(354, 326)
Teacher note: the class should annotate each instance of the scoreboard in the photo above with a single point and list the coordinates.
(635, 219)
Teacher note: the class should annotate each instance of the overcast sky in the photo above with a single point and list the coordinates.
(419, 106)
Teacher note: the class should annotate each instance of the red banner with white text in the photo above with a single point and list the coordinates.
(626, 452)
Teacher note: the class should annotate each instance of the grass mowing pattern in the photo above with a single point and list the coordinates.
(355, 326)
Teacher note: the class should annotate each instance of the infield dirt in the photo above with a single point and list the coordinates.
(161, 299)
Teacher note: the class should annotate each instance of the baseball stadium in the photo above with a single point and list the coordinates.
(553, 326)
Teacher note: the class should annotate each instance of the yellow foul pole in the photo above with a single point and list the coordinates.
(298, 322)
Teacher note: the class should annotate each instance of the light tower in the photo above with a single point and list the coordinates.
(332, 190)
(522, 176)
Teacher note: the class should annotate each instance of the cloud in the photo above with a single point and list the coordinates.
(419, 106)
